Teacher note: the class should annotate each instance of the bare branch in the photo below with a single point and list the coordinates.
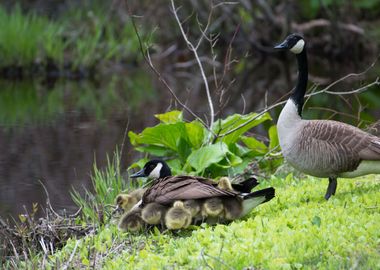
(194, 50)
(355, 91)
(148, 60)
(325, 23)
(48, 201)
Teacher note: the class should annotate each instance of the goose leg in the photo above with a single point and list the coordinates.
(331, 187)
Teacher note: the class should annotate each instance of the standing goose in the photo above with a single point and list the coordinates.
(322, 148)
(167, 189)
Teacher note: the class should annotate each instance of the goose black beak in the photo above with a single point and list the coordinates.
(282, 46)
(138, 174)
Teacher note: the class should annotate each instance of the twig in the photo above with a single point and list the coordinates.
(48, 201)
(355, 91)
(216, 259)
(195, 52)
(148, 60)
(325, 23)
(356, 117)
(124, 138)
(204, 259)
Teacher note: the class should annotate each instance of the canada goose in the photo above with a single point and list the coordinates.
(127, 201)
(177, 217)
(322, 148)
(153, 213)
(159, 169)
(131, 221)
(166, 189)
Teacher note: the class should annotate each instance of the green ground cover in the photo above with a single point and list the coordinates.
(296, 230)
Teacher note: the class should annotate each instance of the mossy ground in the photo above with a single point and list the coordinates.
(296, 230)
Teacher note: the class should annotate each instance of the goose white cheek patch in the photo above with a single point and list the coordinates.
(298, 47)
(156, 172)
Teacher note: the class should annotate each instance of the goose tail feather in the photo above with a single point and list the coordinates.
(254, 199)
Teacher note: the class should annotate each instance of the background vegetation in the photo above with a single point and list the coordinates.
(96, 40)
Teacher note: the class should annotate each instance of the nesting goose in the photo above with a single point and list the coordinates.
(167, 189)
(177, 217)
(322, 148)
(131, 221)
(127, 201)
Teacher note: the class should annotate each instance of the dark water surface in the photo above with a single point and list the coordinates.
(54, 132)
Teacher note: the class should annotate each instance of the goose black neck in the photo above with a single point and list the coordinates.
(299, 92)
(165, 170)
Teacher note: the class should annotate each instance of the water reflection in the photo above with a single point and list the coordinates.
(54, 133)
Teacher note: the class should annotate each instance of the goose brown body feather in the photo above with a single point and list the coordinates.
(169, 189)
(326, 148)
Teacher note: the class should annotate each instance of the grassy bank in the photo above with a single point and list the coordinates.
(70, 45)
(296, 230)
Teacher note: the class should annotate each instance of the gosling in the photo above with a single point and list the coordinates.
(178, 217)
(153, 213)
(131, 221)
(127, 201)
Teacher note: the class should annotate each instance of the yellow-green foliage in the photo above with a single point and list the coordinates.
(296, 230)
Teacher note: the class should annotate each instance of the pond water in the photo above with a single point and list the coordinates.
(54, 132)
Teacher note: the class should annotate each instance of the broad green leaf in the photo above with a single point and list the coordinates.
(240, 167)
(154, 150)
(167, 135)
(250, 120)
(238, 149)
(133, 138)
(184, 149)
(273, 137)
(254, 144)
(202, 158)
(231, 160)
(175, 166)
(170, 117)
(195, 132)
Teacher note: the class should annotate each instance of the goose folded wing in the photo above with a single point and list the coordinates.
(170, 189)
(341, 145)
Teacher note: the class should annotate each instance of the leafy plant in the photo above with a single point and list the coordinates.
(188, 150)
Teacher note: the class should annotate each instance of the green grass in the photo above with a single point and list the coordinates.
(82, 36)
(24, 38)
(296, 230)
(106, 185)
